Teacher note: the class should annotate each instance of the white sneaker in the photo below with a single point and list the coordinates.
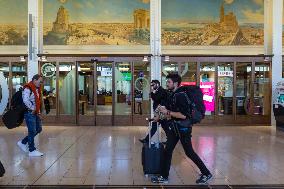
(22, 146)
(35, 153)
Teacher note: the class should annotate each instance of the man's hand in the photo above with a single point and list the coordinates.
(162, 109)
(40, 116)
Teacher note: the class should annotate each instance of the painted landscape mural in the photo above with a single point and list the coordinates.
(212, 22)
(96, 22)
(13, 22)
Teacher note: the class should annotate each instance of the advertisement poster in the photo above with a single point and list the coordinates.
(208, 89)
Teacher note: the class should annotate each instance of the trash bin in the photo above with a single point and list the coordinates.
(278, 105)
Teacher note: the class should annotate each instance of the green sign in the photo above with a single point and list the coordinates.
(127, 76)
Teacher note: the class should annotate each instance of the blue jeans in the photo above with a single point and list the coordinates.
(33, 123)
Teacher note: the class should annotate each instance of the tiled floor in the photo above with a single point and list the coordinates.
(112, 156)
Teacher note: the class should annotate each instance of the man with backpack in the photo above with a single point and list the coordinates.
(181, 117)
(32, 101)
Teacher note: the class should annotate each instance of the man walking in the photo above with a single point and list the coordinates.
(179, 111)
(159, 96)
(32, 100)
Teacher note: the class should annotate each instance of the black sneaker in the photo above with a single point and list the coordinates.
(203, 179)
(159, 180)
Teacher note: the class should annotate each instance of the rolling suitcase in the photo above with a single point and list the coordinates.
(152, 155)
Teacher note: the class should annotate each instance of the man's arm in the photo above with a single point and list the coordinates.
(182, 103)
(26, 99)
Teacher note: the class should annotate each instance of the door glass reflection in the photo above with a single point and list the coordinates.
(104, 89)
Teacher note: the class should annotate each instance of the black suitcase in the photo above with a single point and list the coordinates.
(152, 155)
(2, 170)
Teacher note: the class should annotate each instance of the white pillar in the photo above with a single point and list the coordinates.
(276, 46)
(155, 9)
(35, 35)
(155, 41)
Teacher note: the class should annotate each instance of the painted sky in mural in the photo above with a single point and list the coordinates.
(212, 22)
(13, 22)
(96, 22)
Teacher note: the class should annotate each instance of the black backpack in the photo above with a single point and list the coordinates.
(195, 99)
(14, 117)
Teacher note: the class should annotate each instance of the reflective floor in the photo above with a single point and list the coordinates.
(112, 156)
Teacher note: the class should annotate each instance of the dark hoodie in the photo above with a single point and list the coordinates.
(179, 103)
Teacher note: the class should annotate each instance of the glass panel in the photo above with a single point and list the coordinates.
(4, 69)
(225, 88)
(188, 73)
(123, 77)
(104, 89)
(142, 78)
(207, 85)
(48, 71)
(261, 89)
(166, 69)
(67, 78)
(86, 88)
(19, 75)
(243, 86)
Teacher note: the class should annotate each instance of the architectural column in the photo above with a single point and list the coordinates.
(276, 46)
(155, 12)
(155, 41)
(34, 35)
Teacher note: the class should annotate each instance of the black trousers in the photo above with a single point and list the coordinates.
(155, 127)
(173, 136)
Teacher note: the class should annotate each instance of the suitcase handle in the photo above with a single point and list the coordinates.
(149, 131)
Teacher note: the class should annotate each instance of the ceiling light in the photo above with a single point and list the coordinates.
(167, 58)
(145, 59)
(22, 59)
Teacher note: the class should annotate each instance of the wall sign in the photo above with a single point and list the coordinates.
(48, 70)
(5, 93)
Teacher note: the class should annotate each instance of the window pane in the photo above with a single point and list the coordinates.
(48, 71)
(188, 73)
(123, 79)
(207, 85)
(104, 88)
(66, 91)
(225, 88)
(243, 86)
(261, 89)
(19, 75)
(86, 88)
(142, 79)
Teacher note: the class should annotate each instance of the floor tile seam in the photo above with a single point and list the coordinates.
(59, 157)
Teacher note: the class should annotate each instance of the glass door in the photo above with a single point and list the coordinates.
(262, 93)
(225, 92)
(243, 92)
(104, 93)
(85, 93)
(122, 90)
(141, 91)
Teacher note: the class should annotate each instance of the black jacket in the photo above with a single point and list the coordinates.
(160, 97)
(180, 103)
